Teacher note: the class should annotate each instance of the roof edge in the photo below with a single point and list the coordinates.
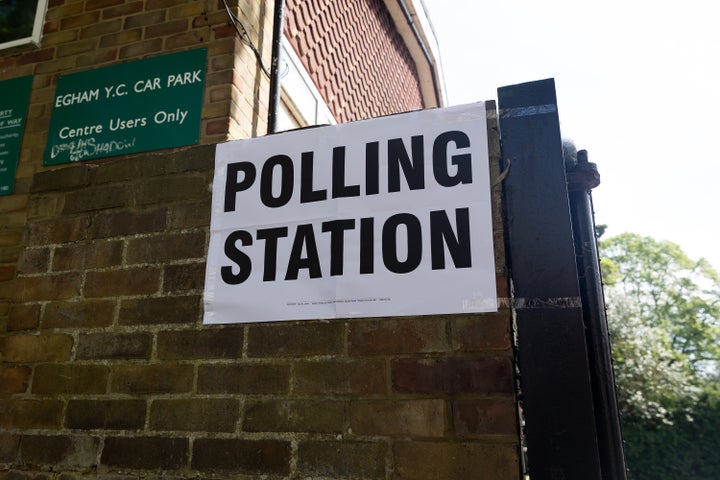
(413, 24)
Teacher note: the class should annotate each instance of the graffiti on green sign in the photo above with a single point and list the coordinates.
(123, 109)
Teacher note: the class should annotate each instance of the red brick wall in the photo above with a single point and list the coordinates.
(355, 56)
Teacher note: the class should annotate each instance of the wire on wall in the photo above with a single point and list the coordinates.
(244, 36)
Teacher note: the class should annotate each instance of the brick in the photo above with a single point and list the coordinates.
(342, 459)
(122, 10)
(76, 48)
(219, 109)
(415, 418)
(78, 314)
(194, 159)
(7, 273)
(101, 28)
(97, 4)
(172, 188)
(113, 224)
(103, 254)
(440, 461)
(9, 445)
(222, 62)
(131, 281)
(296, 339)
(34, 260)
(12, 219)
(184, 277)
(22, 475)
(222, 342)
(219, 94)
(60, 450)
(23, 317)
(97, 58)
(217, 127)
(96, 346)
(27, 414)
(172, 378)
(313, 416)
(36, 348)
(190, 215)
(59, 37)
(146, 453)
(164, 310)
(44, 206)
(483, 375)
(340, 377)
(397, 336)
(264, 457)
(199, 415)
(485, 417)
(60, 230)
(68, 23)
(105, 414)
(481, 332)
(120, 38)
(36, 56)
(97, 198)
(69, 378)
(246, 379)
(192, 38)
(14, 379)
(160, 248)
(10, 238)
(6, 290)
(51, 287)
(70, 257)
(55, 66)
(145, 19)
(14, 203)
(189, 10)
(166, 28)
(138, 49)
(153, 4)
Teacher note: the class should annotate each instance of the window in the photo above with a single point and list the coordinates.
(21, 22)
(302, 104)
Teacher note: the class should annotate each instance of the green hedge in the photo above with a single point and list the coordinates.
(687, 450)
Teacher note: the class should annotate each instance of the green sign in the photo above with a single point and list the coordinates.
(14, 100)
(132, 107)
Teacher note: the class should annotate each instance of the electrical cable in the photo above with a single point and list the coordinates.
(245, 37)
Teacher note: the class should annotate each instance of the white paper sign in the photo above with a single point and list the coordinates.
(382, 217)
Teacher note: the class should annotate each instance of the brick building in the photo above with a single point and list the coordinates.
(106, 369)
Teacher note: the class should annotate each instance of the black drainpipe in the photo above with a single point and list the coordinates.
(582, 178)
(274, 103)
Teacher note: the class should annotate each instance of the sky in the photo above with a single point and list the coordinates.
(638, 87)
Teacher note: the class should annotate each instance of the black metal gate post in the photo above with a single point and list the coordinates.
(582, 178)
(553, 359)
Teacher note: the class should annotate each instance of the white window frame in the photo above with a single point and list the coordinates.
(34, 38)
(296, 84)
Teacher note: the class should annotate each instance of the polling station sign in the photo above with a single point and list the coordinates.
(132, 107)
(383, 217)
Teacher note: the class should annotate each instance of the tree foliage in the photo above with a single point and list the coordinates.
(664, 320)
(656, 282)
